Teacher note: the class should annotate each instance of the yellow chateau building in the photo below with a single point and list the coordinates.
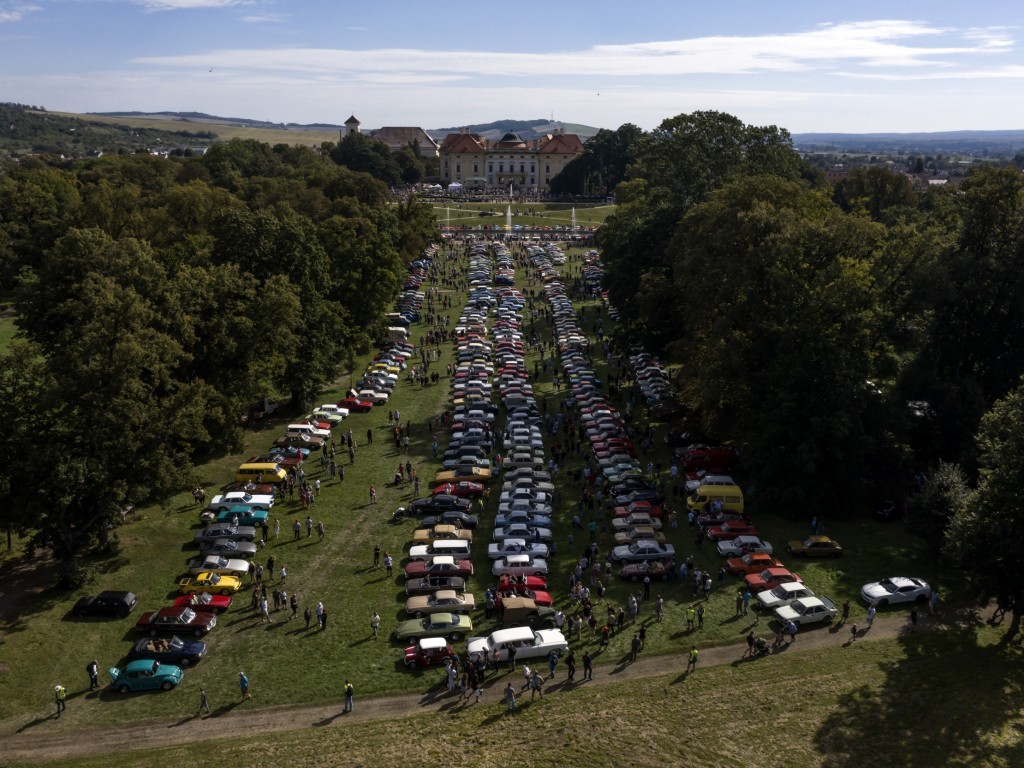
(511, 161)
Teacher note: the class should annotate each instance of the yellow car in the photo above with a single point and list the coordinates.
(384, 367)
(480, 474)
(440, 533)
(213, 583)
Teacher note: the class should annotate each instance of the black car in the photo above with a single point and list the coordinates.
(641, 494)
(451, 517)
(118, 604)
(443, 502)
(431, 584)
(169, 650)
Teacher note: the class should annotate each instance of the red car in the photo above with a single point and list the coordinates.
(204, 601)
(465, 489)
(731, 530)
(639, 506)
(176, 621)
(770, 578)
(428, 651)
(752, 563)
(355, 405)
(534, 587)
(441, 565)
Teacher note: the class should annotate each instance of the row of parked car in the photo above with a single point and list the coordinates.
(490, 351)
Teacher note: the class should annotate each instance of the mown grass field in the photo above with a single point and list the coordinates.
(765, 714)
(474, 214)
(926, 700)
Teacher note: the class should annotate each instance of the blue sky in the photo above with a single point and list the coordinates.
(803, 65)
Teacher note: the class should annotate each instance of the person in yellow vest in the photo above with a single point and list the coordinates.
(692, 663)
(60, 693)
(691, 614)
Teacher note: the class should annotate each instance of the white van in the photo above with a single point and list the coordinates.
(457, 548)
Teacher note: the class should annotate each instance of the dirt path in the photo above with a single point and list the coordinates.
(36, 741)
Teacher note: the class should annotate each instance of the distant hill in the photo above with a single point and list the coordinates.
(944, 142)
(202, 117)
(25, 130)
(528, 129)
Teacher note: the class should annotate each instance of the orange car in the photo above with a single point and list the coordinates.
(770, 578)
(754, 562)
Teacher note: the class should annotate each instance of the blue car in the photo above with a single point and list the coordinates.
(173, 650)
(145, 675)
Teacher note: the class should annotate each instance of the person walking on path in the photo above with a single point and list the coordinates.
(570, 665)
(634, 646)
(913, 619)
(349, 694)
(60, 693)
(933, 602)
(750, 644)
(510, 699)
(846, 612)
(93, 669)
(692, 663)
(792, 628)
(871, 615)
(853, 632)
(552, 663)
(588, 666)
(243, 684)
(204, 703)
(374, 624)
(295, 607)
(320, 530)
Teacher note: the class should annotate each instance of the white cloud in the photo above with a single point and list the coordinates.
(16, 12)
(875, 44)
(265, 18)
(998, 73)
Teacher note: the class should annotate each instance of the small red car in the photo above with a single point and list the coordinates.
(770, 578)
(752, 563)
(204, 601)
(355, 405)
(731, 530)
(441, 565)
(465, 489)
(639, 506)
(533, 587)
(428, 651)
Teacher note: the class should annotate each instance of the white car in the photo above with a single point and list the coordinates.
(241, 499)
(898, 589)
(743, 545)
(377, 398)
(529, 643)
(520, 565)
(220, 565)
(783, 594)
(512, 546)
(807, 610)
(333, 408)
(525, 493)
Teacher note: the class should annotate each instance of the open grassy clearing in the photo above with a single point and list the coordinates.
(289, 665)
(525, 214)
(224, 131)
(913, 701)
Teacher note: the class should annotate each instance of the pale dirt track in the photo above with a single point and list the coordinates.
(36, 742)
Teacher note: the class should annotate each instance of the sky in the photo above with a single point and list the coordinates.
(804, 65)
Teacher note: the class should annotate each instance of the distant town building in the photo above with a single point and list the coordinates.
(351, 126)
(511, 161)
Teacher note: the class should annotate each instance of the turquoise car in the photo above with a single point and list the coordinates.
(450, 625)
(245, 515)
(145, 675)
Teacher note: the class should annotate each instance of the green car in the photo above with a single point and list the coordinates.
(245, 515)
(450, 625)
(145, 675)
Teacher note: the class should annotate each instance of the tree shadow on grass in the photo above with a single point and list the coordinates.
(948, 701)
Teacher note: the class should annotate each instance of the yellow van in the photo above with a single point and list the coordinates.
(730, 495)
(260, 473)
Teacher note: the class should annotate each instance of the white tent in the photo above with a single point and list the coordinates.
(454, 187)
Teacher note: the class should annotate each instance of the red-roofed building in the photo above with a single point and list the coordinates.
(511, 161)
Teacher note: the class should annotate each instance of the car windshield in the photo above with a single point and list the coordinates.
(175, 644)
(214, 578)
(188, 615)
(779, 591)
(887, 585)
(220, 562)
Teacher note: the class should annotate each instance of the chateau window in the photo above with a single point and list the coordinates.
(458, 167)
(476, 168)
(547, 168)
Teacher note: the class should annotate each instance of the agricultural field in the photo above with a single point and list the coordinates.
(827, 702)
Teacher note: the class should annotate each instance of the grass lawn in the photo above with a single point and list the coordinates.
(938, 699)
(525, 214)
(288, 664)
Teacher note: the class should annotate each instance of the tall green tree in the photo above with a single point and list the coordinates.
(777, 328)
(986, 533)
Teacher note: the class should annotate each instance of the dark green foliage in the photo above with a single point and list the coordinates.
(604, 163)
(944, 493)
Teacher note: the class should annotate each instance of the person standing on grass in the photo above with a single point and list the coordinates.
(60, 694)
(295, 607)
(297, 528)
(570, 665)
(323, 619)
(308, 615)
(871, 615)
(204, 703)
(374, 624)
(243, 684)
(510, 699)
(320, 530)
(373, 494)
(376, 555)
(846, 612)
(389, 563)
(691, 665)
(93, 670)
(349, 695)
(588, 666)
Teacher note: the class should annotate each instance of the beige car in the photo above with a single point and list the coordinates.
(637, 533)
(442, 601)
(441, 533)
(635, 519)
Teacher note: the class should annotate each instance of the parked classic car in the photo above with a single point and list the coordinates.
(451, 625)
(428, 651)
(175, 620)
(441, 601)
(897, 589)
(815, 546)
(204, 602)
(107, 603)
(168, 650)
(210, 582)
(145, 676)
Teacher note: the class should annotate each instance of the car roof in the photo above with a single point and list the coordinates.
(433, 643)
(512, 635)
(446, 594)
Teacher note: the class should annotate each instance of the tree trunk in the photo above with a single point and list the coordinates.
(1014, 628)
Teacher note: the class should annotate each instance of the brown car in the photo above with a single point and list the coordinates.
(176, 621)
(441, 532)
(638, 532)
(301, 441)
